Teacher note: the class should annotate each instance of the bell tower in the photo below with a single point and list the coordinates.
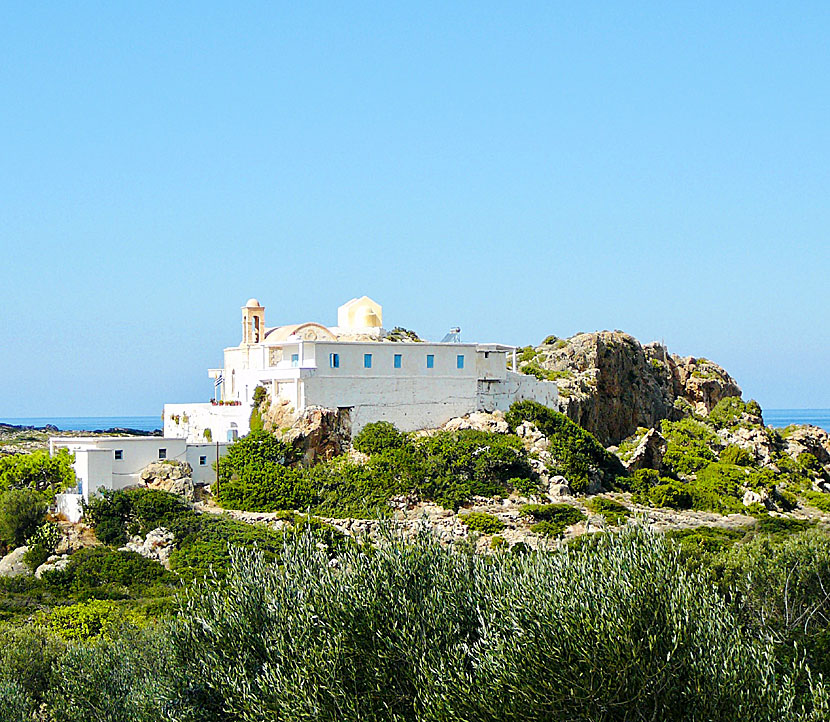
(253, 322)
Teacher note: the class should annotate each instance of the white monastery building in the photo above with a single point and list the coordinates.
(355, 366)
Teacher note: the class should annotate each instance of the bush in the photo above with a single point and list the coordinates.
(482, 522)
(21, 512)
(552, 519)
(578, 454)
(38, 471)
(417, 632)
(612, 511)
(818, 499)
(379, 437)
(736, 456)
(42, 545)
(688, 448)
(718, 488)
(727, 412)
(84, 621)
(93, 569)
(672, 495)
(118, 515)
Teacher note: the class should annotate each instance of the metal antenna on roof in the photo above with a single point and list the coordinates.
(454, 336)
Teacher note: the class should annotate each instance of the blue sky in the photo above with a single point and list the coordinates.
(518, 169)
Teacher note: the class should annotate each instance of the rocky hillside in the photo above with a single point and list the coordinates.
(611, 384)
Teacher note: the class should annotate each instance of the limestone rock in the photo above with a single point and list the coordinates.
(75, 536)
(158, 545)
(55, 563)
(809, 439)
(649, 452)
(320, 434)
(172, 476)
(12, 564)
(610, 384)
(558, 486)
(757, 497)
(479, 421)
(754, 440)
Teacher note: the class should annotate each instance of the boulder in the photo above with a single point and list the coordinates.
(757, 497)
(808, 439)
(12, 565)
(54, 563)
(172, 476)
(479, 421)
(158, 545)
(649, 452)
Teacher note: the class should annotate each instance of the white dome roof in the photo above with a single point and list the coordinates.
(253, 303)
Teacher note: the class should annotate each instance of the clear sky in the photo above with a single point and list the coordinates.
(518, 169)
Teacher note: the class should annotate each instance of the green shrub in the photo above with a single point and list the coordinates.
(736, 456)
(577, 453)
(552, 519)
(671, 494)
(415, 632)
(818, 499)
(38, 471)
(379, 437)
(92, 569)
(84, 621)
(22, 511)
(782, 582)
(482, 522)
(117, 515)
(42, 544)
(612, 511)
(718, 488)
(458, 465)
(688, 448)
(727, 412)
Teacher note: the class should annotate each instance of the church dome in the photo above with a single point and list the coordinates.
(252, 303)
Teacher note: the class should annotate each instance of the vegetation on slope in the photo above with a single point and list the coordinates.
(619, 628)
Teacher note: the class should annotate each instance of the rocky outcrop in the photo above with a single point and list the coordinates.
(754, 439)
(319, 434)
(701, 382)
(157, 545)
(648, 453)
(610, 384)
(479, 421)
(808, 440)
(12, 565)
(54, 563)
(172, 476)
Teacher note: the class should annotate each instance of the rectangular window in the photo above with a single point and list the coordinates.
(203, 461)
(295, 359)
(398, 360)
(119, 454)
(459, 361)
(334, 360)
(162, 453)
(367, 360)
(430, 361)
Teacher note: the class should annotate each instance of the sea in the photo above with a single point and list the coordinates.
(88, 423)
(772, 417)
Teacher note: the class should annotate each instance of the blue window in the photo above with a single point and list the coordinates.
(334, 360)
(459, 361)
(367, 360)
(162, 453)
(119, 454)
(430, 361)
(398, 360)
(203, 461)
(295, 359)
